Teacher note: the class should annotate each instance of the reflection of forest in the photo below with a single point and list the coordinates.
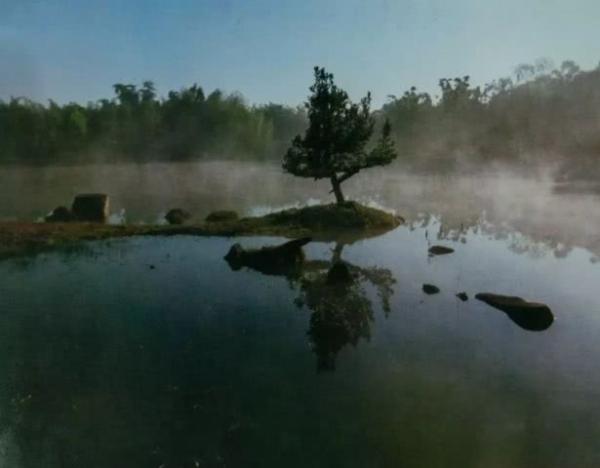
(530, 213)
(336, 292)
(450, 229)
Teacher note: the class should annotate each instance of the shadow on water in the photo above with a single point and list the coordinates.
(335, 291)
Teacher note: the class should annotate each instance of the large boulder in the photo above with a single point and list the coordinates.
(284, 259)
(92, 207)
(59, 214)
(177, 216)
(532, 316)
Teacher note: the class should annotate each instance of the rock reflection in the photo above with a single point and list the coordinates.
(335, 291)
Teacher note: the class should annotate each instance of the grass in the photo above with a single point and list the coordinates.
(349, 221)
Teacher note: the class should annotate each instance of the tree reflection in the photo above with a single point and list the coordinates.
(337, 294)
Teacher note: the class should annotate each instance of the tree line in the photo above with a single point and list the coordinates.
(137, 125)
(542, 113)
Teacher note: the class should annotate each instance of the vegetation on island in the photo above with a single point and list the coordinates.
(334, 146)
(326, 222)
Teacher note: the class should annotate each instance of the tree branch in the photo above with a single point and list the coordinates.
(346, 176)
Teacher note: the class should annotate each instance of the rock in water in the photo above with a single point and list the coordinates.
(463, 296)
(60, 214)
(177, 216)
(221, 216)
(440, 250)
(533, 316)
(339, 273)
(91, 207)
(430, 289)
(281, 259)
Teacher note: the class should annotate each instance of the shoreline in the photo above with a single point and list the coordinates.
(349, 221)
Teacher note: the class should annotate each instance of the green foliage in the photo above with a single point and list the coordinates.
(541, 115)
(335, 143)
(346, 216)
(136, 125)
(534, 118)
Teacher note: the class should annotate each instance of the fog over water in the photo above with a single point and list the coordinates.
(499, 202)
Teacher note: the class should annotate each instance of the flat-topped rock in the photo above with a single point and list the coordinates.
(93, 207)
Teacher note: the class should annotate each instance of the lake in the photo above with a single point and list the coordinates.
(155, 352)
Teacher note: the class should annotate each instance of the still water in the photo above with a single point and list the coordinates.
(151, 352)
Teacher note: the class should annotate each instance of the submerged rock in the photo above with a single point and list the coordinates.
(221, 216)
(60, 214)
(339, 273)
(463, 296)
(177, 216)
(430, 289)
(92, 207)
(282, 259)
(532, 316)
(440, 250)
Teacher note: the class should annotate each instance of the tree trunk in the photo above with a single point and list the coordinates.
(337, 190)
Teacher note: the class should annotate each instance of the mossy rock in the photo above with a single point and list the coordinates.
(60, 214)
(222, 216)
(177, 216)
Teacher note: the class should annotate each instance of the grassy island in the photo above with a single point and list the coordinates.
(325, 222)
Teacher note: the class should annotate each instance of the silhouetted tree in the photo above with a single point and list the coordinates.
(335, 144)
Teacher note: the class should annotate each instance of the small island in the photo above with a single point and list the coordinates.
(336, 146)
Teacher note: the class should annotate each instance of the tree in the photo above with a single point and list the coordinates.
(335, 143)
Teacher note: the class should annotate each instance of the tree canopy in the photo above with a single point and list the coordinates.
(335, 144)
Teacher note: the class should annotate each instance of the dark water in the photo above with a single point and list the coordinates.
(153, 352)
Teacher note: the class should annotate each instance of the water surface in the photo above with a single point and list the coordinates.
(154, 352)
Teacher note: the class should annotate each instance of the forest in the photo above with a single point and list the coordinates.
(541, 115)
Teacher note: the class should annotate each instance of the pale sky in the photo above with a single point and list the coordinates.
(72, 50)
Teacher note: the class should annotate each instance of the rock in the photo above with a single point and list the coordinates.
(440, 250)
(91, 207)
(463, 296)
(533, 316)
(430, 289)
(339, 273)
(59, 214)
(221, 216)
(177, 216)
(282, 259)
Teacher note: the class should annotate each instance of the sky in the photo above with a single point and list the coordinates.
(69, 50)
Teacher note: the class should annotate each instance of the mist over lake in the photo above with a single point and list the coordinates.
(504, 202)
